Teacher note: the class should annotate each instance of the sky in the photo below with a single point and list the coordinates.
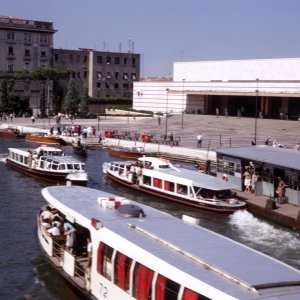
(168, 31)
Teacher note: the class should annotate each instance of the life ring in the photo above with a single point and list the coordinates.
(225, 177)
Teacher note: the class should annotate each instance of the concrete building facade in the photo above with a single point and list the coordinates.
(107, 74)
(269, 87)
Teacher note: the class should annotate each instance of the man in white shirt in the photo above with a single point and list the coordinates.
(54, 230)
(199, 141)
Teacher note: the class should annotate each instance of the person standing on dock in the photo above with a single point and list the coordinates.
(199, 141)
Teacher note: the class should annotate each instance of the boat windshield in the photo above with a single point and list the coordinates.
(164, 166)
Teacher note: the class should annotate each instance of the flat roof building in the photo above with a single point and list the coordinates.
(264, 87)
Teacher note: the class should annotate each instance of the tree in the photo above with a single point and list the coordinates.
(84, 103)
(72, 100)
(7, 87)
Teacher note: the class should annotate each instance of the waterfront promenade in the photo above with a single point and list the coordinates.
(216, 132)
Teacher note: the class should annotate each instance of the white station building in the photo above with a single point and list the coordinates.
(270, 87)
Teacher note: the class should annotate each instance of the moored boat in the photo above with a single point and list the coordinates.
(161, 178)
(128, 152)
(47, 164)
(43, 138)
(137, 252)
(11, 132)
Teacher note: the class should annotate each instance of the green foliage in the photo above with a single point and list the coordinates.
(7, 87)
(49, 73)
(83, 106)
(72, 100)
(111, 100)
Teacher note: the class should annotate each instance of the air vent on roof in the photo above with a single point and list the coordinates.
(130, 211)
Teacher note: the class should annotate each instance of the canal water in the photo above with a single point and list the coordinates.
(25, 274)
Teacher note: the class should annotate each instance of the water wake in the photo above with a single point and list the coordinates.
(260, 232)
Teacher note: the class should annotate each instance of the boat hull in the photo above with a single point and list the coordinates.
(47, 176)
(43, 140)
(198, 205)
(10, 134)
(127, 153)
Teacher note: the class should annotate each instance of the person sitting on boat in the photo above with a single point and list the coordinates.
(54, 230)
(46, 217)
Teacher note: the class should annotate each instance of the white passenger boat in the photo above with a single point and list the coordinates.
(161, 178)
(48, 164)
(141, 253)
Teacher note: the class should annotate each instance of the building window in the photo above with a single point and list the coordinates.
(10, 50)
(125, 76)
(116, 86)
(133, 60)
(108, 76)
(27, 65)
(27, 37)
(125, 61)
(99, 59)
(78, 58)
(78, 74)
(133, 76)
(56, 57)
(43, 53)
(85, 59)
(108, 60)
(116, 75)
(27, 52)
(10, 35)
(85, 74)
(107, 85)
(99, 76)
(125, 86)
(99, 85)
(71, 58)
(117, 60)
(43, 38)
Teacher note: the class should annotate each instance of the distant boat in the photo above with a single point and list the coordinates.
(11, 132)
(47, 164)
(159, 177)
(44, 138)
(79, 149)
(128, 152)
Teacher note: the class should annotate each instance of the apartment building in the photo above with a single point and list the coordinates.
(107, 74)
(28, 45)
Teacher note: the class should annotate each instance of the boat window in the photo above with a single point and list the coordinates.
(157, 183)
(54, 166)
(21, 158)
(147, 180)
(26, 160)
(166, 288)
(169, 186)
(62, 167)
(182, 189)
(42, 164)
(142, 282)
(49, 160)
(104, 265)
(191, 295)
(17, 157)
(70, 166)
(122, 271)
(77, 167)
(43, 158)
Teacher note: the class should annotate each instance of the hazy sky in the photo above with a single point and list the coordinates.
(166, 31)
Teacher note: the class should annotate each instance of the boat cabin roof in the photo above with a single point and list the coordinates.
(197, 178)
(242, 263)
(62, 159)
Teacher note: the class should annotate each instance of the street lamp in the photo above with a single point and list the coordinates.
(166, 130)
(255, 124)
(182, 102)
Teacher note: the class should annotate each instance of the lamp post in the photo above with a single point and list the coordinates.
(166, 130)
(255, 123)
(182, 102)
